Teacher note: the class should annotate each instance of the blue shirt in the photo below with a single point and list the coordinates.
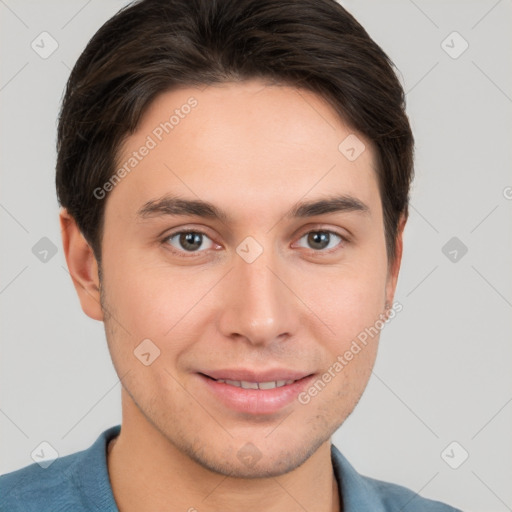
(80, 483)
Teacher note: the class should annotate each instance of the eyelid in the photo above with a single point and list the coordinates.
(345, 239)
(343, 233)
(183, 253)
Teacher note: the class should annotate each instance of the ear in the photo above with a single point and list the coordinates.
(82, 266)
(394, 267)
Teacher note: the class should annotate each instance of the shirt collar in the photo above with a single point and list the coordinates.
(356, 493)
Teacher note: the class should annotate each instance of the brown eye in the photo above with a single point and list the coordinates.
(321, 240)
(188, 241)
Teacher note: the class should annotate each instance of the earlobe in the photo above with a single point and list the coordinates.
(82, 266)
(394, 267)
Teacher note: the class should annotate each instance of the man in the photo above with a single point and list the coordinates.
(234, 180)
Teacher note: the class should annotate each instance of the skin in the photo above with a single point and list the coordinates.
(254, 150)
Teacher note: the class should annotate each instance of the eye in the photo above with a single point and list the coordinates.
(321, 240)
(188, 241)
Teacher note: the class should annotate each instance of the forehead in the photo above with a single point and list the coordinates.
(244, 144)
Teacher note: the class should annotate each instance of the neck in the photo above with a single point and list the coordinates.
(148, 472)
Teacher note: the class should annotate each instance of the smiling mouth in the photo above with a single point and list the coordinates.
(245, 384)
(256, 385)
(255, 393)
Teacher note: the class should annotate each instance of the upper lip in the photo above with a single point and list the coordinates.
(240, 374)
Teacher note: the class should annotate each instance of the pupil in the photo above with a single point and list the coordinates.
(320, 239)
(190, 241)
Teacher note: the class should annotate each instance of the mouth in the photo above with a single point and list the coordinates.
(245, 384)
(257, 394)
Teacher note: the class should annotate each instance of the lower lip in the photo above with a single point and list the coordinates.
(255, 401)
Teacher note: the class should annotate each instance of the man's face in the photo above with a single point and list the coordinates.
(260, 295)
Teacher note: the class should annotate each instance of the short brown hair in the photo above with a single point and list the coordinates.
(151, 46)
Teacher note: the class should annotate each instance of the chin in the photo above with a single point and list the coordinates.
(244, 459)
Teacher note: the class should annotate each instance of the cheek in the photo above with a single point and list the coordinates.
(348, 301)
(156, 302)
(351, 307)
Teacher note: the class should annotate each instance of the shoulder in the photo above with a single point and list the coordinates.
(28, 487)
(364, 493)
(73, 482)
(393, 496)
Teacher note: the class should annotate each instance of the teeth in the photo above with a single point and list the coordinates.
(249, 385)
(267, 385)
(257, 385)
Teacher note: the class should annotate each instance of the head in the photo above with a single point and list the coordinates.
(234, 177)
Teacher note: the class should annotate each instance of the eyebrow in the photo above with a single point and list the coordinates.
(176, 206)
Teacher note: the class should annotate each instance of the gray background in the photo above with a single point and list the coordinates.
(443, 371)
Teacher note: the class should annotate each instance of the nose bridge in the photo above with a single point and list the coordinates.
(257, 305)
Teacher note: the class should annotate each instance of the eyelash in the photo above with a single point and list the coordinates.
(191, 254)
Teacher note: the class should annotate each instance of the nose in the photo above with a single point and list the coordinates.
(258, 303)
